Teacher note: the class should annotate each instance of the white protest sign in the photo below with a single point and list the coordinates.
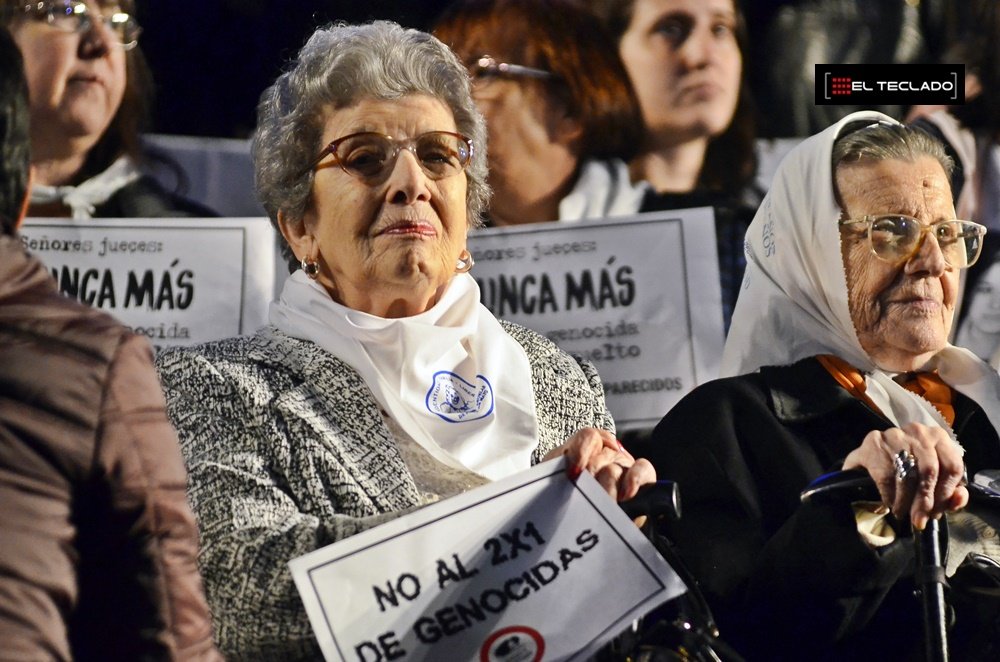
(529, 566)
(639, 297)
(177, 281)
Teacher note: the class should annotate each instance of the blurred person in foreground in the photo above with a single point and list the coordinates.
(838, 358)
(381, 384)
(90, 88)
(561, 115)
(98, 545)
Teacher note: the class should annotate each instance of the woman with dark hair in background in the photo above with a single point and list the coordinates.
(89, 86)
(561, 114)
(686, 62)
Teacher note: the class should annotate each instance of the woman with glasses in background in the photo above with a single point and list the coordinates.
(381, 384)
(838, 358)
(561, 115)
(89, 88)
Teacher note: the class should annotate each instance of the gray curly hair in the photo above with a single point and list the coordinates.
(338, 66)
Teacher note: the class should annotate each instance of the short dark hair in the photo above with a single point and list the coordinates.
(15, 144)
(564, 39)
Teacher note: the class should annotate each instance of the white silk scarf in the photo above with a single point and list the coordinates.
(83, 199)
(451, 377)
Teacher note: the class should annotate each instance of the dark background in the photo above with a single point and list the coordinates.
(211, 60)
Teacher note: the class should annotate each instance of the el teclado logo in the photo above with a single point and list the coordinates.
(890, 84)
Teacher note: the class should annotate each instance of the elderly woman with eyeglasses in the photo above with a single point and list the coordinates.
(89, 86)
(382, 384)
(839, 359)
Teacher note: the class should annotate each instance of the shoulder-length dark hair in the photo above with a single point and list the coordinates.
(731, 160)
(564, 39)
(14, 140)
(122, 135)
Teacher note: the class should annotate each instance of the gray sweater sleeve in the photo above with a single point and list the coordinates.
(251, 522)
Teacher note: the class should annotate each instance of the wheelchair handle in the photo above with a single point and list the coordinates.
(656, 500)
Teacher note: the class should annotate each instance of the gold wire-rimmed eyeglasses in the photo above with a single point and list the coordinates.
(897, 237)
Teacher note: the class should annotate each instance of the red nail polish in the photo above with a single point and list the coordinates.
(574, 473)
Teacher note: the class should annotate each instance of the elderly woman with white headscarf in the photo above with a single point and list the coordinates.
(854, 261)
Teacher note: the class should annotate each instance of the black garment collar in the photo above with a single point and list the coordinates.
(805, 390)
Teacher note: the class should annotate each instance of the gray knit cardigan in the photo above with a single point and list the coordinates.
(287, 452)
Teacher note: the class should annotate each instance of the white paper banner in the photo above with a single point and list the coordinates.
(527, 568)
(639, 297)
(177, 281)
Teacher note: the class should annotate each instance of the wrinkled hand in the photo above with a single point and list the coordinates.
(936, 484)
(598, 452)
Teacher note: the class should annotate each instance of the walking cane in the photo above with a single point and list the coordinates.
(857, 485)
(931, 582)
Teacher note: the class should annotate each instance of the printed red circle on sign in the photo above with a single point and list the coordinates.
(517, 643)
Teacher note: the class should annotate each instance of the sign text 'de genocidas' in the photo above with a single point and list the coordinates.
(451, 620)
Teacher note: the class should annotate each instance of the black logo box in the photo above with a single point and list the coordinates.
(891, 84)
